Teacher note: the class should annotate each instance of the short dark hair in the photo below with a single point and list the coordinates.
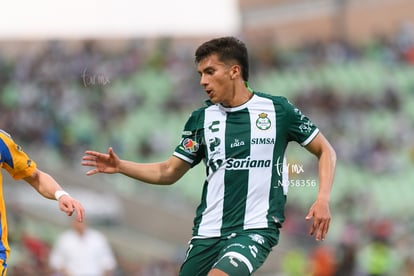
(227, 49)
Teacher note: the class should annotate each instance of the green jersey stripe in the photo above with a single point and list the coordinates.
(237, 145)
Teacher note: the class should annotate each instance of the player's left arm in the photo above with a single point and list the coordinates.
(319, 211)
(47, 186)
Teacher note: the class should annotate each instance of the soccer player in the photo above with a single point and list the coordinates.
(16, 162)
(241, 135)
(82, 251)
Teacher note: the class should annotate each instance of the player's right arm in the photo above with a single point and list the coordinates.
(162, 173)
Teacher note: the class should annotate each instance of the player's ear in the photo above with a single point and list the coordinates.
(235, 71)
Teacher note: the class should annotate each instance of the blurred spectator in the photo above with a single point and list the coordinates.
(295, 263)
(82, 251)
(346, 260)
(38, 253)
(408, 266)
(378, 258)
(346, 250)
(322, 261)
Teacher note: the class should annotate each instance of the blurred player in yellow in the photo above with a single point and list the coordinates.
(19, 165)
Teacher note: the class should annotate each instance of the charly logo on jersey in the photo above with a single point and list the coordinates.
(257, 238)
(190, 145)
(263, 122)
(233, 262)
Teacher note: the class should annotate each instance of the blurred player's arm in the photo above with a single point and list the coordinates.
(163, 173)
(326, 155)
(47, 186)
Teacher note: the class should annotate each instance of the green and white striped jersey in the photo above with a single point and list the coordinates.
(243, 149)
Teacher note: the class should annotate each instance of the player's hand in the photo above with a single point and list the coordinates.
(103, 162)
(321, 219)
(69, 205)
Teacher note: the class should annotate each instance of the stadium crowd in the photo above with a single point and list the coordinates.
(362, 96)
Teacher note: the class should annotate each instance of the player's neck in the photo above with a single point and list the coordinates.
(239, 97)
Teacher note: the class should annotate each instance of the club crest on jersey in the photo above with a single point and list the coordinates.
(190, 145)
(263, 122)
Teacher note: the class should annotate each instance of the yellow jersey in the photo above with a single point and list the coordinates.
(14, 160)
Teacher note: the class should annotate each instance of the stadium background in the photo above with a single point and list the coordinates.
(66, 88)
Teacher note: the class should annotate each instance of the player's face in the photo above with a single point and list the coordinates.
(216, 79)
